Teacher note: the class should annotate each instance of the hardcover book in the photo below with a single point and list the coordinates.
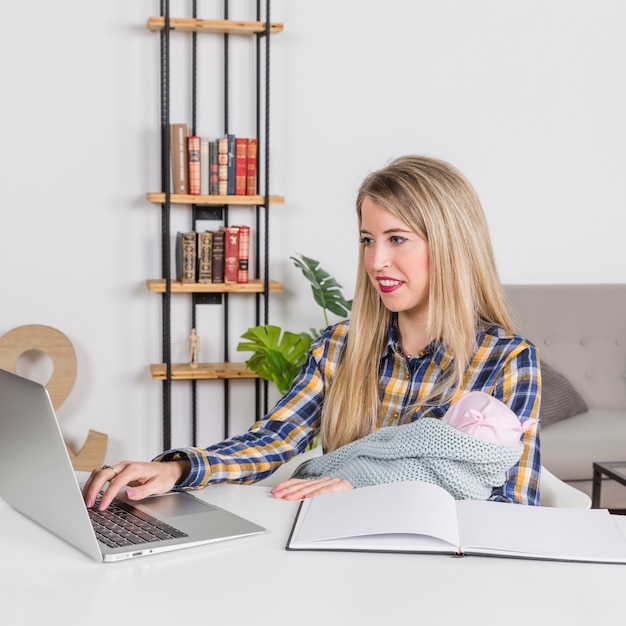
(251, 167)
(178, 256)
(213, 180)
(205, 257)
(218, 257)
(231, 164)
(178, 147)
(244, 254)
(204, 166)
(222, 166)
(186, 257)
(241, 165)
(422, 517)
(193, 150)
(231, 254)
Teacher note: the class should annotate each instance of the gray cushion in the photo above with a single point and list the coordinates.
(559, 399)
(569, 447)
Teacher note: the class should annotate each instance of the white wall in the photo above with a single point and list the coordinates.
(526, 98)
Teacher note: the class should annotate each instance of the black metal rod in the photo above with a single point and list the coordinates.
(260, 387)
(267, 161)
(226, 41)
(194, 114)
(257, 212)
(165, 224)
(266, 208)
(226, 385)
(194, 69)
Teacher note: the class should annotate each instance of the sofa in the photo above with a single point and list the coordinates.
(580, 332)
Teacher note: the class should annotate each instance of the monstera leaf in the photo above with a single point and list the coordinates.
(326, 290)
(276, 357)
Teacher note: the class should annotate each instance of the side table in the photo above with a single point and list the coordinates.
(616, 470)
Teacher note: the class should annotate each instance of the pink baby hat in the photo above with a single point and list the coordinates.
(480, 415)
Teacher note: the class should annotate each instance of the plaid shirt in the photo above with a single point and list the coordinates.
(505, 366)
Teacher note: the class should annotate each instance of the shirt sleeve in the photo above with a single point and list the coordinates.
(519, 387)
(284, 432)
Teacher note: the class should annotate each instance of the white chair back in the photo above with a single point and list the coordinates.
(555, 492)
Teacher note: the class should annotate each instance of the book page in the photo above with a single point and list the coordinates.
(382, 517)
(539, 532)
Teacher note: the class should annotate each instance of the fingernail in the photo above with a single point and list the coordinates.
(130, 493)
(88, 503)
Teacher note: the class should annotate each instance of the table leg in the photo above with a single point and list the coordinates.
(597, 486)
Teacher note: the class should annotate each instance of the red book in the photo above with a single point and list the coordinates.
(251, 167)
(217, 261)
(244, 254)
(193, 148)
(222, 166)
(241, 165)
(231, 254)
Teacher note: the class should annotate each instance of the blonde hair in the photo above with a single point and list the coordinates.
(436, 201)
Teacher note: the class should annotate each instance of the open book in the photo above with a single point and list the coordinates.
(424, 518)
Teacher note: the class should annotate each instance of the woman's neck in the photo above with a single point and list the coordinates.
(413, 334)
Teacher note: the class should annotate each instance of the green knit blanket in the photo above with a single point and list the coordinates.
(427, 449)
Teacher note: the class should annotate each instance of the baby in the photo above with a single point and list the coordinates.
(480, 415)
(467, 452)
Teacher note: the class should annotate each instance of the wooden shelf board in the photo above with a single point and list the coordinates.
(157, 285)
(185, 198)
(204, 371)
(231, 27)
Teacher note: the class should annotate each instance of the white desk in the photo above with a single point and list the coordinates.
(254, 581)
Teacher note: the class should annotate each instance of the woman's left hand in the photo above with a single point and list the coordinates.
(299, 488)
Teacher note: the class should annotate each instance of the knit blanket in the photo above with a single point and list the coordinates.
(428, 450)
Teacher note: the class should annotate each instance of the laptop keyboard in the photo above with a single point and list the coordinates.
(123, 525)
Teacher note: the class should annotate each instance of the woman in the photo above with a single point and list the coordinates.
(429, 323)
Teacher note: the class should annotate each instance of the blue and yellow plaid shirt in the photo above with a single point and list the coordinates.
(504, 366)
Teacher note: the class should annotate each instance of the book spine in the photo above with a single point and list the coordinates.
(213, 180)
(241, 165)
(178, 141)
(253, 145)
(205, 257)
(204, 166)
(222, 166)
(244, 255)
(193, 150)
(231, 254)
(218, 257)
(231, 164)
(179, 256)
(189, 257)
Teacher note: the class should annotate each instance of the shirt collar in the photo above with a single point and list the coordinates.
(433, 350)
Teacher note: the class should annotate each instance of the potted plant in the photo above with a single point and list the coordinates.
(278, 355)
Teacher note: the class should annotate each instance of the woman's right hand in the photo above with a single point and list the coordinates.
(143, 480)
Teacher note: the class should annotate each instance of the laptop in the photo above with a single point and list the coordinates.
(33, 452)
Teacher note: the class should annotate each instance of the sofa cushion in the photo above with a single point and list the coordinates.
(559, 399)
(569, 447)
